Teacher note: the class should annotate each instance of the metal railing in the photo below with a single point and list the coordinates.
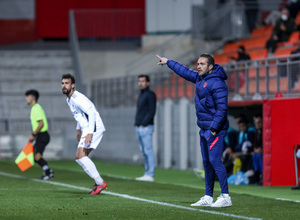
(255, 79)
(264, 78)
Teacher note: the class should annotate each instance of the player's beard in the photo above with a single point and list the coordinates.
(66, 92)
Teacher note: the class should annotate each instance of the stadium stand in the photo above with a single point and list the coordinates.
(262, 31)
(293, 40)
(256, 47)
(231, 47)
(262, 71)
(223, 57)
(261, 53)
(263, 86)
(284, 51)
(261, 68)
(255, 43)
(179, 88)
(21, 70)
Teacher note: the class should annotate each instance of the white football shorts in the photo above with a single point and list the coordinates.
(97, 137)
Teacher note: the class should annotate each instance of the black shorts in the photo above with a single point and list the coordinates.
(41, 141)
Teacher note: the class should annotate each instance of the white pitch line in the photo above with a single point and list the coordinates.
(289, 200)
(131, 197)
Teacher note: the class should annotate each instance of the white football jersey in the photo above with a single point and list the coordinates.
(79, 105)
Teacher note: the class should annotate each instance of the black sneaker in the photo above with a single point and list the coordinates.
(49, 176)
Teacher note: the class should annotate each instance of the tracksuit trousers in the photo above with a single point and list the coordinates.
(211, 149)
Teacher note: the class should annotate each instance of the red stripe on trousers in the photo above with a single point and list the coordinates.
(213, 143)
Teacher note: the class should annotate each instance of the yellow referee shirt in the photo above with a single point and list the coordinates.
(37, 114)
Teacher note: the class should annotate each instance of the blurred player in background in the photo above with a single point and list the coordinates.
(39, 132)
(144, 120)
(211, 102)
(89, 130)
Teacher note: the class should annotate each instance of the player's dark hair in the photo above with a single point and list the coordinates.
(34, 93)
(209, 57)
(69, 76)
(146, 77)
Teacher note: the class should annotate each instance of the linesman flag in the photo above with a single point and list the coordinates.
(25, 159)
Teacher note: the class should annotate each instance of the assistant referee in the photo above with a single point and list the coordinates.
(39, 132)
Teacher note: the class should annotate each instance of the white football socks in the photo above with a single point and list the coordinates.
(45, 167)
(89, 167)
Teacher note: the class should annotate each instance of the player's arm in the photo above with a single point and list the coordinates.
(36, 131)
(78, 132)
(87, 107)
(91, 115)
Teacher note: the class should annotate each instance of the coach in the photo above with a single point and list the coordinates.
(211, 99)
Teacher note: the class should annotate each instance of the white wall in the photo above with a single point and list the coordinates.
(169, 15)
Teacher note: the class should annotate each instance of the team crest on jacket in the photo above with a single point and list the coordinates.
(205, 84)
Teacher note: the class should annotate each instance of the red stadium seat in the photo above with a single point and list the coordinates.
(231, 47)
(221, 58)
(262, 31)
(258, 54)
(293, 40)
(281, 52)
(255, 43)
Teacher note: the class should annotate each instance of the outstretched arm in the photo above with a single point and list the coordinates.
(179, 69)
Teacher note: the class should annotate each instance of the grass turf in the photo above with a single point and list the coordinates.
(23, 198)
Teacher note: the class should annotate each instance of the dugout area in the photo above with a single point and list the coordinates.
(281, 120)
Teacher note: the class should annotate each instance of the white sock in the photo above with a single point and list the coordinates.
(45, 167)
(89, 167)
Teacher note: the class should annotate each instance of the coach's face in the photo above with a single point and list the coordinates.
(203, 67)
(143, 84)
(67, 86)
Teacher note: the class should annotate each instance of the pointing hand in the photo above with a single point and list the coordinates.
(162, 60)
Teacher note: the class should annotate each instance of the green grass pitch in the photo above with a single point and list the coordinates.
(23, 196)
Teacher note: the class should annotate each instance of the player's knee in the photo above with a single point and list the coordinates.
(37, 157)
(79, 156)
